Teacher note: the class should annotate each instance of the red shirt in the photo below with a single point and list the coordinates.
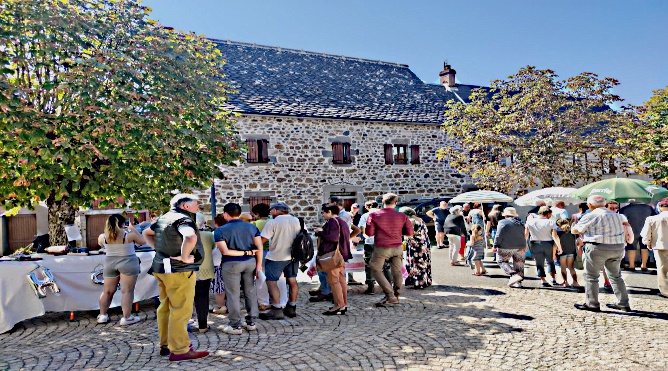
(388, 226)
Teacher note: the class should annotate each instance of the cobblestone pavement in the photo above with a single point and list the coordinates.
(444, 327)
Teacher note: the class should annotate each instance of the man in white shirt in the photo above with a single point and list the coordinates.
(655, 235)
(281, 232)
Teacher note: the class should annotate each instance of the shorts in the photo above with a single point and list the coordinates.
(439, 227)
(564, 256)
(636, 242)
(117, 265)
(273, 269)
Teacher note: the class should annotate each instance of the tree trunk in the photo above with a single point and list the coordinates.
(61, 213)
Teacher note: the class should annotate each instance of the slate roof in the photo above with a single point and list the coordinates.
(287, 82)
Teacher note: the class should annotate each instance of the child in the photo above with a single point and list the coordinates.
(477, 243)
(568, 247)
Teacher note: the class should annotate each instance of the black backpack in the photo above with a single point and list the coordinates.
(302, 246)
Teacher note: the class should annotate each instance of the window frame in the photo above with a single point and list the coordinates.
(341, 153)
(258, 151)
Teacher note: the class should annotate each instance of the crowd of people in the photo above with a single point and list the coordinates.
(252, 254)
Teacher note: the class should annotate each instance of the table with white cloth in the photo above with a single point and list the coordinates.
(72, 274)
(356, 264)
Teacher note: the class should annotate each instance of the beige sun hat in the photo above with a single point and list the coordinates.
(510, 211)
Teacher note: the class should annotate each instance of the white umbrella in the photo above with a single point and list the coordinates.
(481, 197)
(552, 193)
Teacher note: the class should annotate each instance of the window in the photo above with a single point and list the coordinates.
(257, 151)
(255, 200)
(398, 154)
(341, 153)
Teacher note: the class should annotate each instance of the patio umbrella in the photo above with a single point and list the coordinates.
(552, 193)
(622, 190)
(481, 197)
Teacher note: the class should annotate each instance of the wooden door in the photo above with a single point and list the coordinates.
(94, 227)
(21, 230)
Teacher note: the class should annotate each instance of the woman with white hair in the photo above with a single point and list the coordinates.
(510, 243)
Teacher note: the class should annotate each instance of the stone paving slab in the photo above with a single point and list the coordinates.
(440, 328)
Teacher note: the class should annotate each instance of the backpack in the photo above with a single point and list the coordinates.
(302, 246)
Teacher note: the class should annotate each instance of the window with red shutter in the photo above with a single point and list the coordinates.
(264, 151)
(251, 156)
(258, 151)
(389, 159)
(415, 154)
(337, 151)
(400, 155)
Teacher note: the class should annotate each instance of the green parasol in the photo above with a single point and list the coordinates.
(622, 190)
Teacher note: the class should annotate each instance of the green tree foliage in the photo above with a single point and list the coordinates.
(534, 129)
(648, 137)
(99, 102)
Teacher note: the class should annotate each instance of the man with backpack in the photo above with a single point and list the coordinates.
(281, 232)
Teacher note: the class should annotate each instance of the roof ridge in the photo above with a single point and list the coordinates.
(230, 42)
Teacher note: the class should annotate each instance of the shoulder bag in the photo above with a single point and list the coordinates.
(331, 260)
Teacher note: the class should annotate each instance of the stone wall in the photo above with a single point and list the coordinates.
(301, 173)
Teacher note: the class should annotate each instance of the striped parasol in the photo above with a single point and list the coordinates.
(481, 197)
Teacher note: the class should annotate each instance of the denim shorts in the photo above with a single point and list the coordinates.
(273, 269)
(564, 256)
(117, 265)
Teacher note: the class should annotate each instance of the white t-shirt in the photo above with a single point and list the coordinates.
(281, 233)
(348, 218)
(540, 229)
(368, 240)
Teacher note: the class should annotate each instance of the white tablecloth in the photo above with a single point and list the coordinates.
(73, 276)
(17, 299)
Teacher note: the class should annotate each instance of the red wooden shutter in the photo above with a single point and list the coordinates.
(337, 150)
(415, 154)
(389, 159)
(251, 156)
(265, 150)
(347, 159)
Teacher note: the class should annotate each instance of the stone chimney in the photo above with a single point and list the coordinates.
(447, 75)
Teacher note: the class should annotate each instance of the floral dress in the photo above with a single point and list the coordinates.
(418, 257)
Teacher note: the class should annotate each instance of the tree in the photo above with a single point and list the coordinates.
(100, 103)
(648, 137)
(536, 129)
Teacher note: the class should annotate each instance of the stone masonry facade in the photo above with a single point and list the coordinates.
(301, 173)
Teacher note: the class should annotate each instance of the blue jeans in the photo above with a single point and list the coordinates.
(325, 289)
(594, 259)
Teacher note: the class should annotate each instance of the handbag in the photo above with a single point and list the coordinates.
(331, 260)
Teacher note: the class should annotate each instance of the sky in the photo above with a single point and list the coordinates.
(482, 40)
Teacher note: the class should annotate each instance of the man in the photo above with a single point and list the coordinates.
(388, 226)
(438, 215)
(371, 206)
(355, 212)
(241, 246)
(178, 255)
(637, 213)
(454, 228)
(559, 211)
(603, 232)
(281, 232)
(533, 213)
(511, 243)
(655, 236)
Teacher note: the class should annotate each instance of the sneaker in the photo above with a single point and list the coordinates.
(553, 282)
(232, 330)
(515, 278)
(545, 284)
(607, 287)
(273, 314)
(220, 310)
(587, 308)
(516, 285)
(623, 308)
(130, 320)
(250, 326)
(102, 318)
(192, 354)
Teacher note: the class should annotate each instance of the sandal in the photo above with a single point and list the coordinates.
(476, 274)
(483, 272)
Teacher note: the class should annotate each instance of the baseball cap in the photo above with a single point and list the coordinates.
(180, 197)
(357, 206)
(663, 202)
(280, 206)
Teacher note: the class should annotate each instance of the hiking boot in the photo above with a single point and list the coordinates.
(290, 311)
(273, 314)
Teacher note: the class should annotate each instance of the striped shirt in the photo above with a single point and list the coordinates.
(388, 226)
(602, 226)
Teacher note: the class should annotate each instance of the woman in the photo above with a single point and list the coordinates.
(510, 243)
(454, 228)
(583, 210)
(418, 252)
(493, 221)
(544, 243)
(335, 235)
(204, 276)
(568, 243)
(120, 264)
(217, 285)
(261, 214)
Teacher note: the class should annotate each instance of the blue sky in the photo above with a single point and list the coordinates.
(482, 40)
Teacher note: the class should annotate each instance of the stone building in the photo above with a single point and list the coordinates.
(319, 125)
